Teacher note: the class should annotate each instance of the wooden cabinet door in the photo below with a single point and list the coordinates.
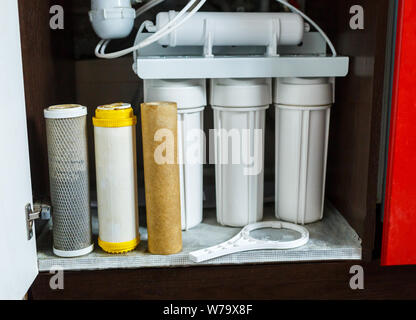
(18, 260)
(399, 234)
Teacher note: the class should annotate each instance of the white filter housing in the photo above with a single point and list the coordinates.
(239, 120)
(302, 129)
(234, 29)
(190, 96)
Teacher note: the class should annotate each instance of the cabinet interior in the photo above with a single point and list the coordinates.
(59, 67)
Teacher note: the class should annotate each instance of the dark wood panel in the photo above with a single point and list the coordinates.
(356, 116)
(282, 281)
(48, 76)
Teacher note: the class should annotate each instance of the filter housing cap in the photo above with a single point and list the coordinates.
(188, 94)
(241, 93)
(303, 92)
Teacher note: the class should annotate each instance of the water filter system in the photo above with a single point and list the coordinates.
(238, 64)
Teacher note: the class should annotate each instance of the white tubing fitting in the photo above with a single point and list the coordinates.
(210, 29)
(107, 4)
(112, 19)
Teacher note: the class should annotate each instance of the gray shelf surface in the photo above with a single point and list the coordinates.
(330, 239)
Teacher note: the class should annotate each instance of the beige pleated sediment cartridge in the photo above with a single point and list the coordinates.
(116, 169)
(191, 98)
(66, 131)
(161, 173)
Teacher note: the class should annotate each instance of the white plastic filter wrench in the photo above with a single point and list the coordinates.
(245, 242)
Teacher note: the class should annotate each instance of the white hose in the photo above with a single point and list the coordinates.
(102, 45)
(147, 7)
(296, 10)
(170, 27)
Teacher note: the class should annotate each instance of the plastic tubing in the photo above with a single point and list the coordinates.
(147, 7)
(295, 10)
(170, 27)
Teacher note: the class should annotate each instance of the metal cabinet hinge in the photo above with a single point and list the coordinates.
(39, 211)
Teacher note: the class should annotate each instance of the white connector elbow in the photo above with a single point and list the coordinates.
(112, 19)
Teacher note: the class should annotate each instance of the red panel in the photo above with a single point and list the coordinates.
(399, 234)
